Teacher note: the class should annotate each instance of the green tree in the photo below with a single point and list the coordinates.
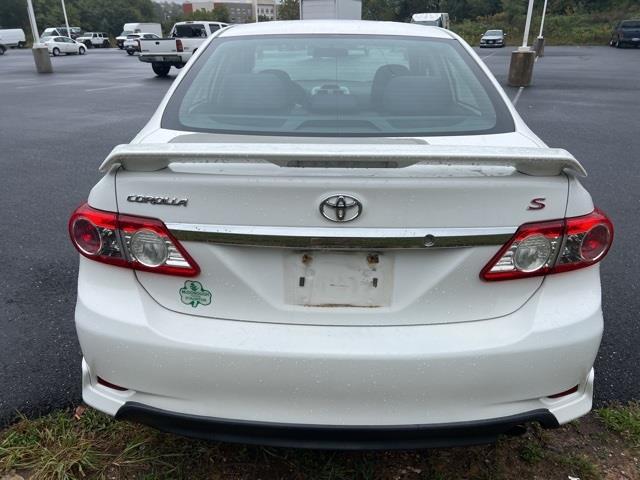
(514, 9)
(13, 14)
(384, 10)
(289, 10)
(220, 13)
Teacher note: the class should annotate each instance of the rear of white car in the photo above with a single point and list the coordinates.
(339, 234)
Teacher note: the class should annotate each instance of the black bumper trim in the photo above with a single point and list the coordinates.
(355, 437)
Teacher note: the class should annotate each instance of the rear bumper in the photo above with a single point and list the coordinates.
(160, 58)
(359, 377)
(333, 436)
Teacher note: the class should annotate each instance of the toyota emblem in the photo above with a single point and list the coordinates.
(340, 208)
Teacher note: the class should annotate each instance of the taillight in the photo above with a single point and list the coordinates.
(128, 241)
(139, 46)
(179, 47)
(552, 247)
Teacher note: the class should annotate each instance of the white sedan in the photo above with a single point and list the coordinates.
(58, 45)
(339, 234)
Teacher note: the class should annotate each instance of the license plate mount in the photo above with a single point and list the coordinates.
(338, 279)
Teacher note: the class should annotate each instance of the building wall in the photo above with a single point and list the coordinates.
(189, 7)
(266, 9)
(239, 11)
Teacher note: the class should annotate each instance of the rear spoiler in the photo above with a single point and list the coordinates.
(152, 157)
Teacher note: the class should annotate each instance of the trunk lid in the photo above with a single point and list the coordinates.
(430, 219)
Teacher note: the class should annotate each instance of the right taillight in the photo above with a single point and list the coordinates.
(129, 241)
(179, 47)
(552, 247)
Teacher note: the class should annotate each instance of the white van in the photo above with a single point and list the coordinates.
(13, 37)
(433, 19)
(129, 28)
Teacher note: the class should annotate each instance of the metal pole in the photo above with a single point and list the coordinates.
(255, 9)
(527, 26)
(66, 20)
(32, 20)
(544, 11)
(40, 51)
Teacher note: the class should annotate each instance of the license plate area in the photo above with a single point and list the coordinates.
(338, 279)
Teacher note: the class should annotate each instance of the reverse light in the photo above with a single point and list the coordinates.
(129, 241)
(552, 247)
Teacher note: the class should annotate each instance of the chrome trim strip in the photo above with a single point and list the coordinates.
(341, 238)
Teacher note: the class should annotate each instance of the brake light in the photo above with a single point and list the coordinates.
(552, 247)
(129, 241)
(179, 47)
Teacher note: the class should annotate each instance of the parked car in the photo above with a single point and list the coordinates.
(132, 45)
(185, 39)
(12, 37)
(291, 254)
(95, 39)
(58, 45)
(130, 28)
(62, 32)
(626, 32)
(492, 38)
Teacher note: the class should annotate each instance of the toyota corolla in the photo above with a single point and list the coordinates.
(339, 234)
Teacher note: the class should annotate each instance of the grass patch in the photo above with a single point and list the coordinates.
(624, 420)
(576, 29)
(581, 466)
(85, 444)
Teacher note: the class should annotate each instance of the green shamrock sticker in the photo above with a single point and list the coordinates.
(194, 294)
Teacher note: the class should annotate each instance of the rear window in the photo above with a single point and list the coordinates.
(337, 86)
(192, 30)
(632, 24)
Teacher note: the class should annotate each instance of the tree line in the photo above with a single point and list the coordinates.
(110, 15)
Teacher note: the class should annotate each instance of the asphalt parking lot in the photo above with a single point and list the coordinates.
(56, 129)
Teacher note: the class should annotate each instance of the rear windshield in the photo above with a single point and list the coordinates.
(337, 86)
(193, 30)
(632, 24)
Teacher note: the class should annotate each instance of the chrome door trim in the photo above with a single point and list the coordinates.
(346, 238)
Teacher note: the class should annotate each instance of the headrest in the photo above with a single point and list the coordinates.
(416, 95)
(261, 93)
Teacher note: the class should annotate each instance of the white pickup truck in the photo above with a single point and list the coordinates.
(175, 51)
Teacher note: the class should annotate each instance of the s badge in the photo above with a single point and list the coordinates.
(537, 204)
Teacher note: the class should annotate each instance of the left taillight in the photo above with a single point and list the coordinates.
(129, 241)
(552, 247)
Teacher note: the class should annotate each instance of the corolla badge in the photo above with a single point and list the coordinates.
(340, 208)
(153, 200)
